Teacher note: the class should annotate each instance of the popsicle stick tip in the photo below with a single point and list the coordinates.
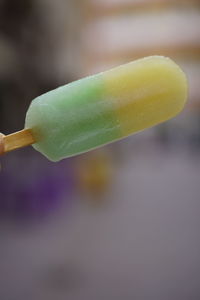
(2, 143)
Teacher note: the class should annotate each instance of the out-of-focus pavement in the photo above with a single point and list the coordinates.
(142, 244)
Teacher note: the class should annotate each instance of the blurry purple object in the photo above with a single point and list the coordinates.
(37, 188)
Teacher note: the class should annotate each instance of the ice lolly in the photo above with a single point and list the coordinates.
(106, 107)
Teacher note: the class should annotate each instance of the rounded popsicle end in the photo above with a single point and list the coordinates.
(178, 87)
(170, 86)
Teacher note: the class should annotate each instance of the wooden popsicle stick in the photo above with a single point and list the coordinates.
(16, 140)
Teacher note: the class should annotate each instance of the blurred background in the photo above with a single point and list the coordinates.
(121, 222)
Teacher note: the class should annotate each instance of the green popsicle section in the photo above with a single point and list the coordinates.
(100, 109)
(73, 119)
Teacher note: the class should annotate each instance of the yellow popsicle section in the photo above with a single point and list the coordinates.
(146, 92)
(106, 107)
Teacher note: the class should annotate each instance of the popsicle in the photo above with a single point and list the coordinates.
(105, 107)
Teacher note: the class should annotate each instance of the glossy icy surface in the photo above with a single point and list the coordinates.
(105, 107)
